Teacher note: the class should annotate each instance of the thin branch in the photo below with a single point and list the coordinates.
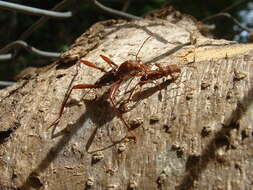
(228, 16)
(42, 20)
(236, 4)
(4, 57)
(33, 11)
(29, 48)
(114, 12)
(6, 83)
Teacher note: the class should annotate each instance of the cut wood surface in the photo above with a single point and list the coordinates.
(192, 133)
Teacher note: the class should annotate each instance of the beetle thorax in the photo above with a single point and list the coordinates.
(127, 68)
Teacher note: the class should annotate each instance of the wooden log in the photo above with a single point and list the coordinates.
(192, 133)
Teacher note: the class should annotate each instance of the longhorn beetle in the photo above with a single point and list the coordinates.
(116, 76)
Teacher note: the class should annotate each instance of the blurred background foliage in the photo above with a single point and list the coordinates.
(58, 34)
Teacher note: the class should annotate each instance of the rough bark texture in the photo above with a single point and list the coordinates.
(194, 133)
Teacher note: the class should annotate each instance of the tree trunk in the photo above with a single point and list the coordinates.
(194, 130)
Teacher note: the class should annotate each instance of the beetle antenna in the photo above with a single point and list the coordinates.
(141, 47)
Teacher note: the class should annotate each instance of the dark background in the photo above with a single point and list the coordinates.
(58, 34)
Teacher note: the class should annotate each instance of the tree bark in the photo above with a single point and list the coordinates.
(192, 133)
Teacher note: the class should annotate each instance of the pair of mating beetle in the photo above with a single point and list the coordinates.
(117, 75)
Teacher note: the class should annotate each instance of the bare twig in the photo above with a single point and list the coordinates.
(225, 14)
(4, 57)
(228, 16)
(236, 4)
(6, 83)
(29, 48)
(43, 20)
(33, 11)
(114, 12)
